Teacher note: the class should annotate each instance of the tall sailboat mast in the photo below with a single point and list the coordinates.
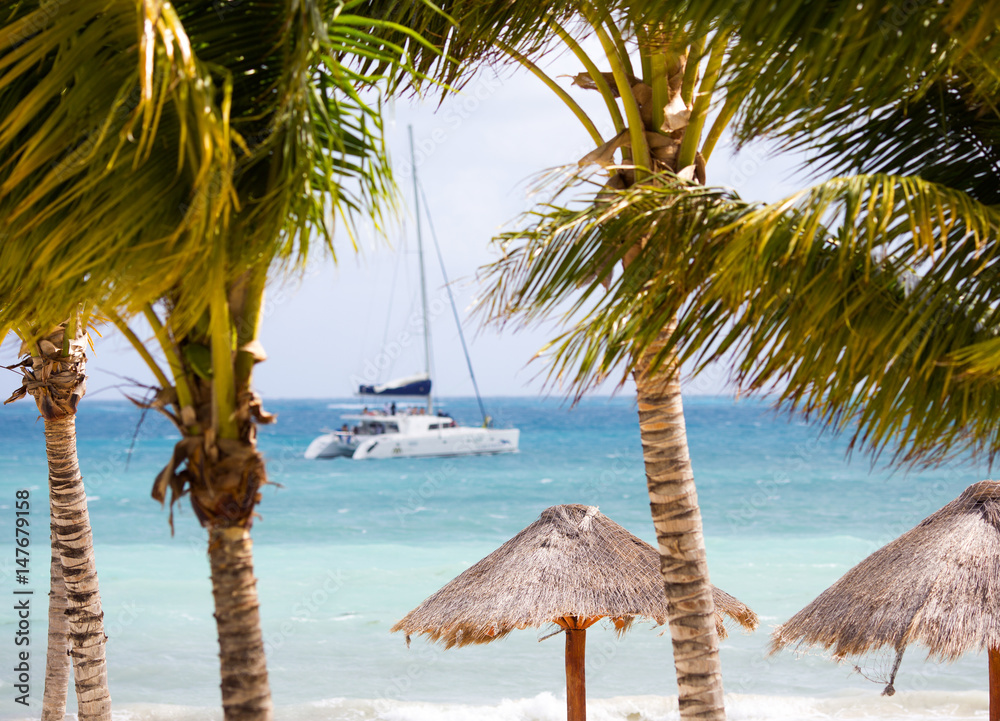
(423, 276)
(388, 434)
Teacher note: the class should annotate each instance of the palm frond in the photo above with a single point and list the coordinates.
(803, 61)
(841, 324)
(126, 158)
(572, 250)
(944, 137)
(835, 318)
(90, 213)
(464, 36)
(890, 362)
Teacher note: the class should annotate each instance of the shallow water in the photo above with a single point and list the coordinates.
(344, 549)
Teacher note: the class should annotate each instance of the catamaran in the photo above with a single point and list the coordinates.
(397, 431)
(409, 433)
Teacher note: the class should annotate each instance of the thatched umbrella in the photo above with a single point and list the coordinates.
(572, 567)
(937, 584)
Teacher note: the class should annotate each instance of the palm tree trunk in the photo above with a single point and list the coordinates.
(246, 693)
(217, 465)
(71, 528)
(57, 658)
(673, 501)
(55, 376)
(224, 480)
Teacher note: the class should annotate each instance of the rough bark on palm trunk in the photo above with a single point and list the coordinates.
(54, 375)
(71, 524)
(673, 499)
(245, 690)
(673, 502)
(223, 477)
(57, 659)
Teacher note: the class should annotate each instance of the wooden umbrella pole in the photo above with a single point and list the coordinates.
(576, 682)
(994, 682)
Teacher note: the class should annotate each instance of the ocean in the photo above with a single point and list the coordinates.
(344, 549)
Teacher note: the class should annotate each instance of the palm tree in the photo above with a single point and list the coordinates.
(693, 258)
(175, 166)
(90, 217)
(292, 134)
(47, 277)
(666, 107)
(884, 322)
(658, 127)
(54, 375)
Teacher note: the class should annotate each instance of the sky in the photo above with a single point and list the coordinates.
(479, 156)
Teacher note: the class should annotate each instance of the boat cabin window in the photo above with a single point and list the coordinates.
(378, 427)
(434, 426)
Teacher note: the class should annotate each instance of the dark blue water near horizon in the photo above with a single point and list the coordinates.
(757, 470)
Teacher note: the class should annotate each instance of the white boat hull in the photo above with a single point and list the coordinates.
(330, 445)
(456, 441)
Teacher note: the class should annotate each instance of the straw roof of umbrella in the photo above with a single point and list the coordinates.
(572, 562)
(937, 585)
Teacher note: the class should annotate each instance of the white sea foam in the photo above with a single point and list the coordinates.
(914, 706)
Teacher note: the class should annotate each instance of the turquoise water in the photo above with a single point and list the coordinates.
(343, 549)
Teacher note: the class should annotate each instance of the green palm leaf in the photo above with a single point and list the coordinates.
(262, 134)
(945, 137)
(574, 250)
(472, 32)
(836, 319)
(800, 63)
(89, 212)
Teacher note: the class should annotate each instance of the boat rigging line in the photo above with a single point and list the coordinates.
(423, 283)
(454, 310)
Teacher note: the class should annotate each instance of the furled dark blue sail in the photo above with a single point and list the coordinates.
(412, 386)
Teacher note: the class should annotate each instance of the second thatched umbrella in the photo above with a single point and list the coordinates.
(572, 567)
(938, 584)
